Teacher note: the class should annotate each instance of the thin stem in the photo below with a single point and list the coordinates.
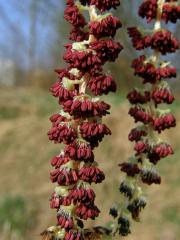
(155, 57)
(93, 16)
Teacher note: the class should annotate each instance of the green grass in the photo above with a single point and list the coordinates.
(171, 214)
(7, 142)
(14, 212)
(175, 106)
(9, 112)
(21, 102)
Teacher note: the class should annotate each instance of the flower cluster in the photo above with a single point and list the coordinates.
(170, 10)
(146, 108)
(79, 125)
(151, 72)
(161, 40)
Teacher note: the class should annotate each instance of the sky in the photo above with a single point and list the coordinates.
(16, 28)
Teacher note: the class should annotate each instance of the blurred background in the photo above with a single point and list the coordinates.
(31, 46)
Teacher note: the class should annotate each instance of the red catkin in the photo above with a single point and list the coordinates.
(79, 125)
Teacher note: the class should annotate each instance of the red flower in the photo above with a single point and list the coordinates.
(85, 211)
(159, 151)
(94, 132)
(171, 13)
(59, 160)
(130, 169)
(141, 147)
(163, 122)
(65, 221)
(140, 115)
(86, 108)
(80, 151)
(162, 95)
(73, 235)
(149, 72)
(106, 50)
(58, 90)
(135, 97)
(57, 118)
(146, 71)
(91, 174)
(85, 61)
(64, 176)
(148, 10)
(78, 35)
(136, 134)
(164, 42)
(61, 130)
(73, 15)
(166, 72)
(138, 40)
(66, 72)
(101, 84)
(83, 195)
(62, 133)
(161, 40)
(106, 27)
(56, 201)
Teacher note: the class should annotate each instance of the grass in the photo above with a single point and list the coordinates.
(26, 152)
(16, 215)
(24, 102)
(10, 112)
(172, 215)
